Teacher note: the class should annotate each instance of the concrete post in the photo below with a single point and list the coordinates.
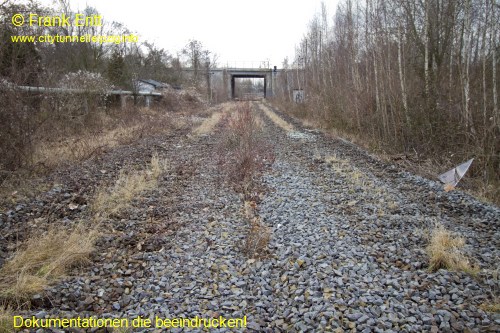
(123, 101)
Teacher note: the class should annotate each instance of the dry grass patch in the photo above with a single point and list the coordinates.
(358, 178)
(113, 199)
(340, 165)
(258, 236)
(52, 154)
(445, 251)
(208, 125)
(308, 123)
(259, 123)
(276, 119)
(6, 323)
(334, 159)
(493, 307)
(257, 239)
(44, 260)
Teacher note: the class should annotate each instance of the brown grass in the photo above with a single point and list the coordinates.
(259, 123)
(445, 251)
(208, 125)
(58, 145)
(334, 159)
(43, 260)
(6, 323)
(53, 154)
(258, 236)
(111, 200)
(61, 145)
(243, 153)
(257, 239)
(493, 307)
(276, 119)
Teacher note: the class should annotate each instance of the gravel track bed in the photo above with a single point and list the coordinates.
(347, 246)
(352, 236)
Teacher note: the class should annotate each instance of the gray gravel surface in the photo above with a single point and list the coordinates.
(347, 248)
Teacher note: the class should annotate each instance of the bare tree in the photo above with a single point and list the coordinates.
(409, 75)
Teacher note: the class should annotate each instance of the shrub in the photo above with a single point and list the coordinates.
(244, 152)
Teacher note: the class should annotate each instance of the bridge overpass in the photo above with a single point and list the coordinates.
(248, 73)
(228, 76)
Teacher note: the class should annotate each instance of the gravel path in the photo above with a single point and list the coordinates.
(347, 246)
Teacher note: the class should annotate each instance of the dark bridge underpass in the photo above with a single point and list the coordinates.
(246, 76)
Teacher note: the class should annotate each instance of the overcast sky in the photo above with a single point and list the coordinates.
(236, 30)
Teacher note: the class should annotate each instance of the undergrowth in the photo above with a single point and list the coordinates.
(243, 155)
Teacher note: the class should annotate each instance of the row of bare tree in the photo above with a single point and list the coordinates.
(119, 63)
(88, 66)
(413, 75)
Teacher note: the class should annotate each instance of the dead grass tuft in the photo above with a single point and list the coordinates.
(44, 260)
(276, 119)
(258, 236)
(53, 154)
(157, 166)
(334, 159)
(243, 152)
(209, 124)
(257, 239)
(445, 251)
(111, 200)
(6, 324)
(493, 307)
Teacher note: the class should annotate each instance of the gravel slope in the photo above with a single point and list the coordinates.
(350, 235)
(347, 247)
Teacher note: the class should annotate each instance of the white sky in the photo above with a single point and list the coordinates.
(236, 30)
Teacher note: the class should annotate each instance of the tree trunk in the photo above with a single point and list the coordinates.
(465, 72)
(483, 56)
(402, 79)
(426, 50)
(494, 33)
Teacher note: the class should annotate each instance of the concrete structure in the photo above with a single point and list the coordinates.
(249, 73)
(121, 94)
(228, 76)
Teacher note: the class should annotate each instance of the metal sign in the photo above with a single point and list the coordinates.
(298, 95)
(451, 177)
